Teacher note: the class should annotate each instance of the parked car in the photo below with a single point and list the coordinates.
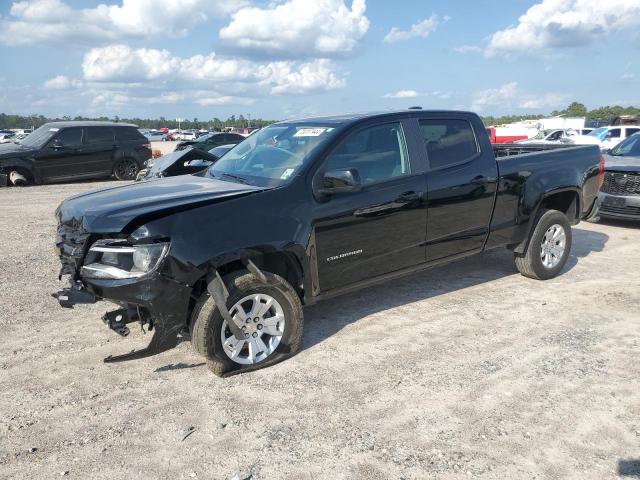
(181, 162)
(61, 151)
(620, 193)
(606, 137)
(7, 137)
(221, 150)
(185, 135)
(550, 136)
(305, 210)
(207, 142)
(155, 136)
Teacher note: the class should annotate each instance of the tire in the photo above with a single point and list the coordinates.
(207, 324)
(126, 169)
(541, 261)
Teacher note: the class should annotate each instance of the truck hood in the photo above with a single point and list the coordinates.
(112, 209)
(12, 150)
(621, 164)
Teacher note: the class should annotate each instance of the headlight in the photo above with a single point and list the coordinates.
(107, 259)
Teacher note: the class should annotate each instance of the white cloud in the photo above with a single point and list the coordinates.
(402, 94)
(121, 63)
(507, 97)
(60, 82)
(554, 24)
(46, 21)
(298, 28)
(628, 76)
(468, 49)
(421, 29)
(224, 100)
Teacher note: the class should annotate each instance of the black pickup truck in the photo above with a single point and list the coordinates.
(308, 209)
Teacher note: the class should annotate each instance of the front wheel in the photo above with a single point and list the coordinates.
(272, 321)
(549, 247)
(126, 169)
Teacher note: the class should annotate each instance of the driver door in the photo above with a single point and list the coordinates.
(59, 159)
(381, 228)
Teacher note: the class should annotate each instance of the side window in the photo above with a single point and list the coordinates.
(233, 138)
(631, 131)
(127, 134)
(448, 141)
(101, 135)
(378, 153)
(555, 135)
(70, 137)
(614, 133)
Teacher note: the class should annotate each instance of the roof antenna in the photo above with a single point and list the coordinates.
(415, 107)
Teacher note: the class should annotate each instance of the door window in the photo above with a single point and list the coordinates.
(378, 153)
(631, 131)
(614, 133)
(448, 142)
(70, 137)
(101, 135)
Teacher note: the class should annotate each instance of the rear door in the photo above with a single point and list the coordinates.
(380, 229)
(461, 181)
(99, 145)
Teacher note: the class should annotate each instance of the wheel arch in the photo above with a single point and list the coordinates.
(566, 200)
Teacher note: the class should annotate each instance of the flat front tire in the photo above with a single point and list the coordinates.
(272, 319)
(549, 246)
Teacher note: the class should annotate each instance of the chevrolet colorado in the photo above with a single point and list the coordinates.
(308, 209)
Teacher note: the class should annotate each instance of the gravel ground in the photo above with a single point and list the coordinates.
(468, 370)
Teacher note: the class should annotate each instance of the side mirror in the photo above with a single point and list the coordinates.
(56, 144)
(340, 181)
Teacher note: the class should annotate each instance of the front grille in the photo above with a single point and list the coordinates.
(618, 183)
(71, 240)
(604, 209)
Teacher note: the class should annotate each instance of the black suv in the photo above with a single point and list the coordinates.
(61, 151)
(211, 140)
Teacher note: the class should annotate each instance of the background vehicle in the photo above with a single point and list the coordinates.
(620, 193)
(7, 137)
(606, 137)
(207, 142)
(155, 136)
(221, 150)
(181, 162)
(61, 151)
(308, 209)
(551, 136)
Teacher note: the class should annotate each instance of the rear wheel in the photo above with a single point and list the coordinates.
(272, 321)
(126, 169)
(549, 246)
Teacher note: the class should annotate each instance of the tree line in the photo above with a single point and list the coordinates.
(35, 121)
(575, 109)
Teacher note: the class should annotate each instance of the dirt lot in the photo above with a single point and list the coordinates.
(468, 370)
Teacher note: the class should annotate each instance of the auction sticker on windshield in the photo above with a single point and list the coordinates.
(310, 132)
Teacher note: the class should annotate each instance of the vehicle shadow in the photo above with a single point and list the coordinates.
(327, 318)
(629, 468)
(614, 222)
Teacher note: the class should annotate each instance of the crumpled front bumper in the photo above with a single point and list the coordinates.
(164, 302)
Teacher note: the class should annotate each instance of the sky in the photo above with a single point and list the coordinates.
(286, 58)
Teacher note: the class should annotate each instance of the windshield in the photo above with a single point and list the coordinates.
(39, 137)
(599, 133)
(628, 147)
(204, 138)
(272, 156)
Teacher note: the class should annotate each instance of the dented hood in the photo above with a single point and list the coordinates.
(112, 209)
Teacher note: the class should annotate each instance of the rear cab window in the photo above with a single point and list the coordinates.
(448, 141)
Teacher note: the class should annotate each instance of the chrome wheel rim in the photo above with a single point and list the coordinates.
(553, 245)
(263, 322)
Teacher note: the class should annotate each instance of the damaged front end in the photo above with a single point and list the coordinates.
(126, 271)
